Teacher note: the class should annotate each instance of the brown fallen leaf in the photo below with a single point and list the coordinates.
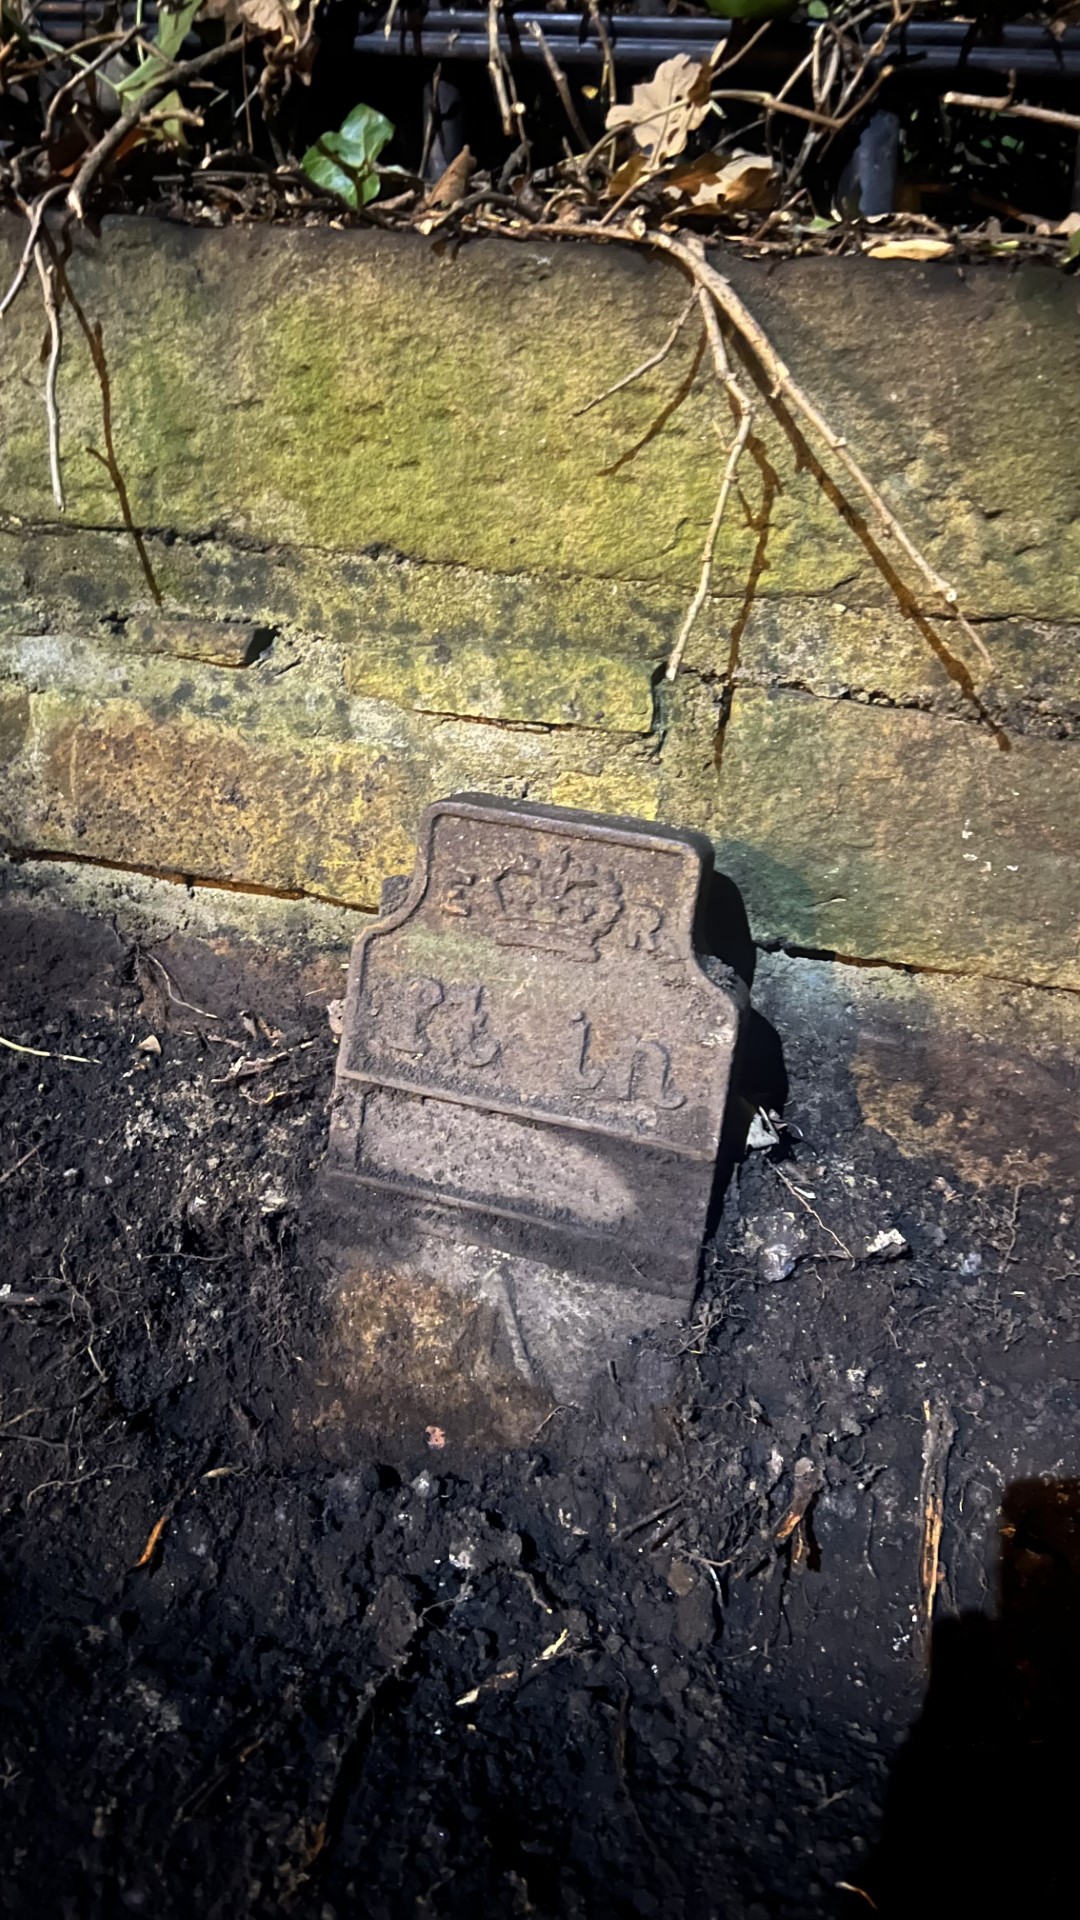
(1049, 228)
(453, 183)
(626, 177)
(725, 184)
(922, 247)
(150, 1045)
(808, 1482)
(156, 1532)
(287, 25)
(262, 16)
(664, 111)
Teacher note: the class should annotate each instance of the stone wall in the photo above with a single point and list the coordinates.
(383, 555)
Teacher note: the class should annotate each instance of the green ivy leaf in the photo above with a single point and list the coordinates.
(344, 162)
(1072, 245)
(173, 26)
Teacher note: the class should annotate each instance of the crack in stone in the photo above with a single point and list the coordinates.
(173, 876)
(1044, 723)
(384, 551)
(877, 963)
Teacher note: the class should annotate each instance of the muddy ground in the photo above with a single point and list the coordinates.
(669, 1658)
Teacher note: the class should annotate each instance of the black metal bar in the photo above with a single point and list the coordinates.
(922, 47)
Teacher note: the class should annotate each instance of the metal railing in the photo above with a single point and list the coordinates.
(446, 33)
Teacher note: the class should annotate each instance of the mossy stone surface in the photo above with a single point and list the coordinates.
(885, 835)
(374, 454)
(345, 390)
(261, 778)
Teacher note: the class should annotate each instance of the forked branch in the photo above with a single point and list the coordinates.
(784, 383)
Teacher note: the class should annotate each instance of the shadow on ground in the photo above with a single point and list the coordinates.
(657, 1660)
(980, 1815)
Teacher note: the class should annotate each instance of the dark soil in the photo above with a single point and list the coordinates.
(249, 1671)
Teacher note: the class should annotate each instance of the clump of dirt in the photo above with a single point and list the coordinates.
(660, 1660)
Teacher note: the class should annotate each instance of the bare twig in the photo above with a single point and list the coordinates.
(1013, 1225)
(244, 82)
(93, 337)
(1015, 109)
(738, 445)
(832, 123)
(562, 87)
(156, 1532)
(785, 384)
(744, 414)
(46, 274)
(175, 997)
(646, 1520)
(114, 45)
(497, 69)
(812, 1211)
(37, 213)
(42, 1053)
(167, 78)
(607, 78)
(723, 64)
(735, 454)
(548, 1417)
(4, 1177)
(646, 366)
(809, 1481)
(249, 1069)
(938, 1437)
(431, 121)
(607, 139)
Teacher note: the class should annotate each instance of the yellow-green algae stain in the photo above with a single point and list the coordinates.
(266, 780)
(558, 685)
(350, 390)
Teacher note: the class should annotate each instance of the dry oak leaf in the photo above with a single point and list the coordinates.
(664, 111)
(741, 181)
(923, 247)
(262, 16)
(453, 183)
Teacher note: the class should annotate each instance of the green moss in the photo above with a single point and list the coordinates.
(345, 391)
(14, 721)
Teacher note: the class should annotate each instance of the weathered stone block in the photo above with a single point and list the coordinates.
(224, 643)
(883, 834)
(558, 685)
(345, 390)
(358, 443)
(261, 778)
(14, 721)
(975, 1078)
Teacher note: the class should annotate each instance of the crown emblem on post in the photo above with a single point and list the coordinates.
(558, 903)
(561, 904)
